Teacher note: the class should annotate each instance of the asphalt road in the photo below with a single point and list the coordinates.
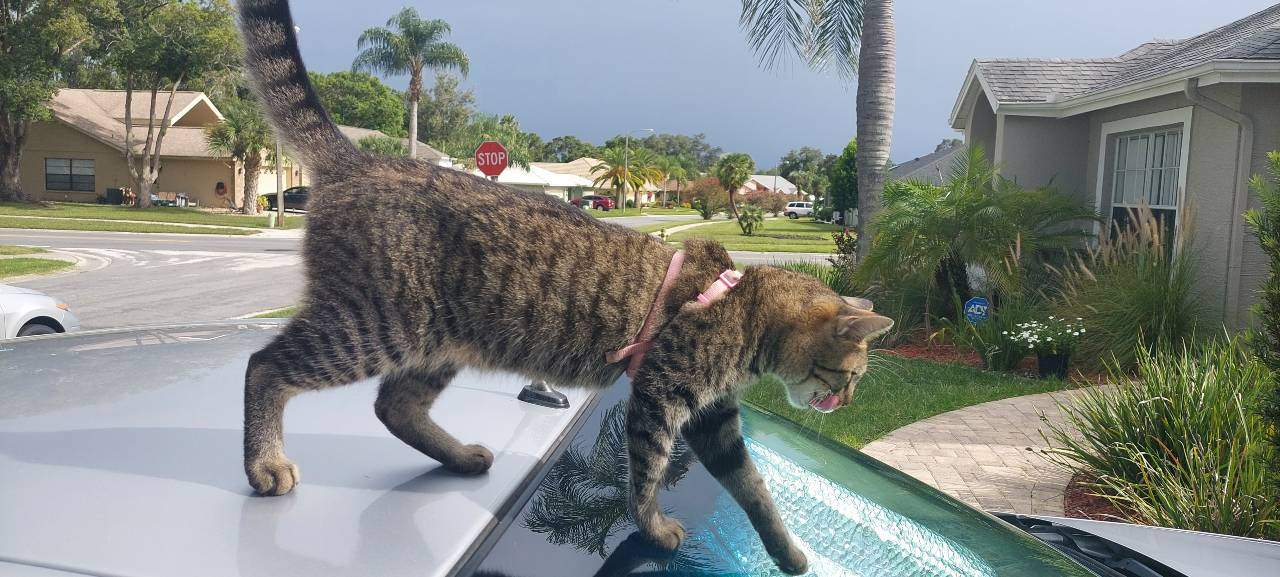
(132, 279)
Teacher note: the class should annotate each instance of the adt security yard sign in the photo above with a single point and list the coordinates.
(977, 309)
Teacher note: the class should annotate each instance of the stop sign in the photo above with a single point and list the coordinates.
(491, 158)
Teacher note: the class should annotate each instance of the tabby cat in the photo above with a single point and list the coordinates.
(415, 271)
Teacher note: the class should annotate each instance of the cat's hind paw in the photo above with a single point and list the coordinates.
(471, 460)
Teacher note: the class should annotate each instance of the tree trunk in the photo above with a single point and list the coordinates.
(876, 86)
(13, 136)
(415, 94)
(252, 166)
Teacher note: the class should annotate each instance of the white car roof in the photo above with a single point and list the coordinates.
(120, 454)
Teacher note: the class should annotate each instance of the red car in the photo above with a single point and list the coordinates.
(593, 201)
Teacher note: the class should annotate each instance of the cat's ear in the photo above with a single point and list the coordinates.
(859, 303)
(863, 328)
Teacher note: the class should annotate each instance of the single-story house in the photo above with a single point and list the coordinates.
(769, 183)
(79, 153)
(584, 168)
(1178, 124)
(538, 179)
(934, 167)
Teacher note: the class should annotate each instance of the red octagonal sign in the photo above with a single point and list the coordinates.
(491, 158)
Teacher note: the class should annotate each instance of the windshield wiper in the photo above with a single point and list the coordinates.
(1104, 558)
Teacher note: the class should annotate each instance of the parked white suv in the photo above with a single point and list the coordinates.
(798, 209)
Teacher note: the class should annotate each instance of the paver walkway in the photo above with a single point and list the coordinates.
(987, 455)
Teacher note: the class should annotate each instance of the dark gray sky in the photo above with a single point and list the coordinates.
(596, 68)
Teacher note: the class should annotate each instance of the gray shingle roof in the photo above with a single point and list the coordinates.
(933, 167)
(1255, 37)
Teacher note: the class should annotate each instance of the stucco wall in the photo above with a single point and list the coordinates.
(56, 140)
(982, 127)
(1035, 151)
(197, 178)
(1210, 182)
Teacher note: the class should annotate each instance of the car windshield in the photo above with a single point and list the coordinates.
(852, 515)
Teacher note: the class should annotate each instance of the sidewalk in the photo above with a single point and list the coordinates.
(987, 455)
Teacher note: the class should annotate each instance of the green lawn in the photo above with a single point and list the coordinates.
(11, 267)
(643, 212)
(153, 214)
(107, 226)
(278, 313)
(778, 235)
(898, 392)
(10, 250)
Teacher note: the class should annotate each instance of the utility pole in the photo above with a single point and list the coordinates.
(279, 187)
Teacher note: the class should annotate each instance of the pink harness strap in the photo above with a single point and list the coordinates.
(643, 340)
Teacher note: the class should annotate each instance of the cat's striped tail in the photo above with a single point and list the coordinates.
(280, 81)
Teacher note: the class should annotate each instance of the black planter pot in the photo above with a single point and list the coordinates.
(1052, 365)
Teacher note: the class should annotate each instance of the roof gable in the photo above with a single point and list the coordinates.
(1254, 39)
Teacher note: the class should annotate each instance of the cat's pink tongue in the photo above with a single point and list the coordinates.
(825, 404)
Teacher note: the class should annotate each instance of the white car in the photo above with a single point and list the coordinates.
(26, 313)
(798, 209)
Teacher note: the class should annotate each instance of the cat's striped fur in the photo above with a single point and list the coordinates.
(416, 271)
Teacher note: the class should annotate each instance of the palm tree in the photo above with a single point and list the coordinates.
(977, 220)
(406, 46)
(672, 169)
(245, 136)
(849, 36)
(732, 171)
(622, 173)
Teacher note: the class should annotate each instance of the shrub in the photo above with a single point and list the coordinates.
(383, 145)
(1052, 336)
(836, 280)
(263, 203)
(1265, 223)
(750, 219)
(1136, 290)
(707, 197)
(1180, 444)
(994, 339)
(976, 221)
(823, 214)
(771, 202)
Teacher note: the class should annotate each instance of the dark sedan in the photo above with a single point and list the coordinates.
(295, 198)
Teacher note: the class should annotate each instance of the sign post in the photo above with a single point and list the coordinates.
(491, 158)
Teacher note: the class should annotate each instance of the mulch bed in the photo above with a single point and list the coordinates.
(1079, 503)
(936, 352)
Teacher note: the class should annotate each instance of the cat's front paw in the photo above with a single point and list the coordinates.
(272, 476)
(471, 460)
(792, 561)
(665, 532)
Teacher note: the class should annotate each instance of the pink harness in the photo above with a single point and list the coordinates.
(643, 340)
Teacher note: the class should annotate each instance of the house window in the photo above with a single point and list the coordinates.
(1146, 171)
(68, 174)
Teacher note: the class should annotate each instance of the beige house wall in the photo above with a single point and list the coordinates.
(197, 177)
(194, 176)
(1262, 103)
(57, 140)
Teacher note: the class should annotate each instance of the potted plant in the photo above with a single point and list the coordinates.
(1052, 340)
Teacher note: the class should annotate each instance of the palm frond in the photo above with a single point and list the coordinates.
(774, 27)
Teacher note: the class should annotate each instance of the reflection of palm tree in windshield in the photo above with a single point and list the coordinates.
(583, 500)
